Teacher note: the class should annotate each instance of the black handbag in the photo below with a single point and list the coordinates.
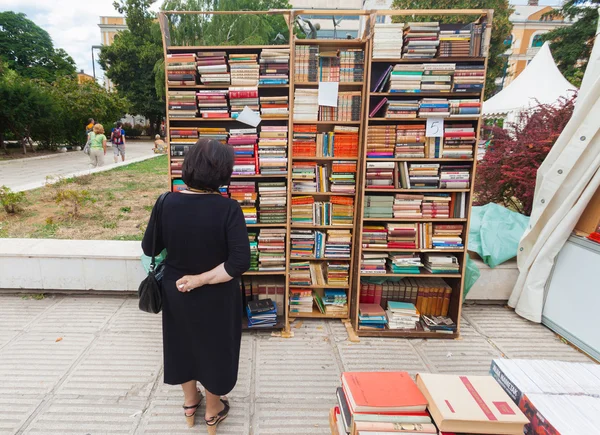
(150, 291)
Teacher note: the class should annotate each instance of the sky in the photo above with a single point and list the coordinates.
(73, 24)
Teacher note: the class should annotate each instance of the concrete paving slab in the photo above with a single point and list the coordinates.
(15, 410)
(498, 321)
(379, 354)
(292, 417)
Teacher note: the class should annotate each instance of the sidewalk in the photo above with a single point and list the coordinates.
(31, 173)
(93, 365)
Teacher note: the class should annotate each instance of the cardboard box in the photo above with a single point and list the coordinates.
(589, 221)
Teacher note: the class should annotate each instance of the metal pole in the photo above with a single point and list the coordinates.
(93, 64)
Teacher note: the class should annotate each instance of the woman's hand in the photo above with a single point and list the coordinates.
(189, 282)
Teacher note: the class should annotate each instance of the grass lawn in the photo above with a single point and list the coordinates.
(117, 205)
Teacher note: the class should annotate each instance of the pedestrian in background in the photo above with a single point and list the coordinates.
(97, 146)
(117, 137)
(159, 145)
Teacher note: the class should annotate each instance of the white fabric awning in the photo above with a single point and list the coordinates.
(540, 82)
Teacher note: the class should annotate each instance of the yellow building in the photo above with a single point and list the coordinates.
(529, 24)
(109, 27)
(83, 77)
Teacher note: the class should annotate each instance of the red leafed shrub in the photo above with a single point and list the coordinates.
(506, 175)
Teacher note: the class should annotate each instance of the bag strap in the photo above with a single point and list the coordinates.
(158, 206)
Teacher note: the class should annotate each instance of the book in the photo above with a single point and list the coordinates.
(382, 392)
(472, 404)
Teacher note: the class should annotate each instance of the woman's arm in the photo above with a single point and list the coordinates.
(213, 276)
(104, 145)
(148, 235)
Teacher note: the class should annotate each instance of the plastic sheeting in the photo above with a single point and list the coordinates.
(147, 260)
(495, 233)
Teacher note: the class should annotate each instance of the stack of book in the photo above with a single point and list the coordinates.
(244, 69)
(304, 177)
(181, 69)
(468, 78)
(213, 103)
(300, 273)
(455, 176)
(306, 63)
(433, 296)
(304, 140)
(216, 133)
(465, 108)
(261, 313)
(381, 140)
(380, 175)
(436, 206)
(439, 324)
(402, 109)
(380, 403)
(387, 41)
(343, 177)
(459, 141)
(338, 273)
(182, 104)
(181, 140)
(404, 263)
(371, 316)
(441, 263)
(352, 65)
(336, 302)
(434, 107)
(410, 140)
(419, 175)
(274, 107)
(244, 192)
(274, 66)
(458, 205)
(301, 300)
(434, 147)
(408, 206)
(374, 236)
(447, 236)
(373, 262)
(176, 167)
(329, 66)
(272, 150)
(272, 197)
(402, 235)
(455, 43)
(338, 244)
(253, 251)
(379, 206)
(421, 40)
(348, 107)
(212, 66)
(342, 142)
(437, 77)
(342, 210)
(302, 244)
(402, 315)
(243, 141)
(306, 105)
(317, 274)
(406, 78)
(302, 210)
(241, 97)
(271, 250)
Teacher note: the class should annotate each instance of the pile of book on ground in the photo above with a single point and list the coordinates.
(261, 313)
(379, 403)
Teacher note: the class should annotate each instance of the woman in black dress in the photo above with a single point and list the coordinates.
(207, 251)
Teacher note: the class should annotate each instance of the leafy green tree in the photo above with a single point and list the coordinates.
(571, 45)
(130, 61)
(28, 49)
(501, 27)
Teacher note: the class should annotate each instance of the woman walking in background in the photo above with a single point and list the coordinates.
(97, 146)
(207, 247)
(117, 137)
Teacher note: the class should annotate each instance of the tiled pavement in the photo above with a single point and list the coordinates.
(93, 365)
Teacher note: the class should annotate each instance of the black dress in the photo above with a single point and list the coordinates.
(202, 328)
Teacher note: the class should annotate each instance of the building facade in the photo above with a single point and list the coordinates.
(109, 27)
(82, 77)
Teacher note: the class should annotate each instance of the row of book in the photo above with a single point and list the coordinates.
(314, 64)
(403, 263)
(334, 302)
(426, 107)
(431, 77)
(341, 142)
(428, 206)
(339, 210)
(335, 244)
(409, 235)
(267, 250)
(312, 273)
(265, 204)
(434, 176)
(306, 106)
(337, 177)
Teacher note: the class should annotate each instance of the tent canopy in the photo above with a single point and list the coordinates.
(540, 80)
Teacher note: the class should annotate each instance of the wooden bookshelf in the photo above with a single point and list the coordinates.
(376, 67)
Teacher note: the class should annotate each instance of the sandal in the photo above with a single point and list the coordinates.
(214, 421)
(190, 418)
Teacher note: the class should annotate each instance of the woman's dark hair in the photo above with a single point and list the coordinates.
(208, 165)
(90, 120)
(119, 124)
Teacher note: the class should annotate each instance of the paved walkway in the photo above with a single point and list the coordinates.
(31, 173)
(93, 365)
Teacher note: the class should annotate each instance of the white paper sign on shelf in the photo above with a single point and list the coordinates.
(249, 116)
(328, 94)
(435, 127)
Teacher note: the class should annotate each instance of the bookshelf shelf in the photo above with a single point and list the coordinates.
(233, 48)
(332, 42)
(341, 84)
(319, 259)
(434, 60)
(446, 118)
(260, 176)
(398, 333)
(325, 159)
(266, 225)
(424, 94)
(425, 159)
(321, 227)
(415, 190)
(264, 273)
(224, 87)
(413, 275)
(321, 286)
(410, 250)
(322, 194)
(316, 314)
(328, 122)
(413, 220)
(171, 119)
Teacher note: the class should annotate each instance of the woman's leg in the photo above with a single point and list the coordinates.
(213, 405)
(190, 395)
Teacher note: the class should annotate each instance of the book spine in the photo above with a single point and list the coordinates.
(507, 385)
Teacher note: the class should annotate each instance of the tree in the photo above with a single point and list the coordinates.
(571, 45)
(130, 61)
(28, 49)
(501, 27)
(507, 173)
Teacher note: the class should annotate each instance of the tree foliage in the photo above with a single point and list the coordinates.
(501, 27)
(571, 45)
(507, 173)
(28, 49)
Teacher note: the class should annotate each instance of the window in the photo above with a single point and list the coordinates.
(537, 41)
(380, 19)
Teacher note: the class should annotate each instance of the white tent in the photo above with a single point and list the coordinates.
(540, 80)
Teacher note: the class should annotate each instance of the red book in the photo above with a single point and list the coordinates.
(382, 392)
